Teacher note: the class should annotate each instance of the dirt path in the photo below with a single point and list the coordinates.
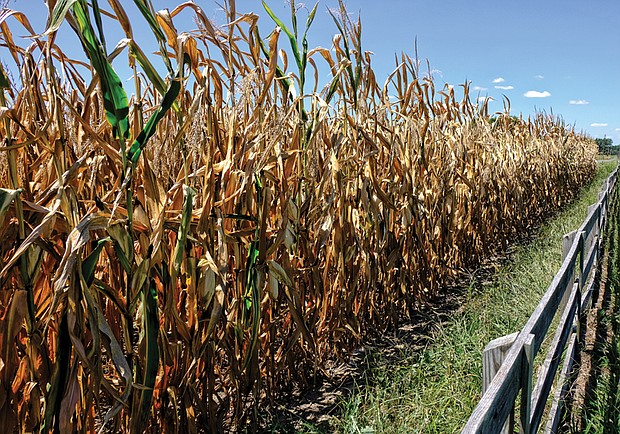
(597, 335)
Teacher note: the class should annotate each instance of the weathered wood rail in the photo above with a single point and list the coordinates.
(508, 361)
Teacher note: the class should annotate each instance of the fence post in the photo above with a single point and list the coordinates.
(582, 252)
(590, 208)
(567, 242)
(526, 385)
(492, 358)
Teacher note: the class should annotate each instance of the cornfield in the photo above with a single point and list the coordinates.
(178, 256)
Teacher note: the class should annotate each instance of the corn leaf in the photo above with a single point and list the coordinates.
(32, 238)
(151, 72)
(119, 361)
(252, 300)
(6, 198)
(291, 36)
(58, 15)
(145, 9)
(59, 377)
(310, 19)
(151, 331)
(149, 129)
(123, 246)
(4, 81)
(97, 15)
(147, 67)
(115, 99)
(186, 219)
(88, 265)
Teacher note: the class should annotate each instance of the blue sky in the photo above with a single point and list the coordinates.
(560, 56)
(551, 55)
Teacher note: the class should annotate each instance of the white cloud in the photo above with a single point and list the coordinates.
(480, 89)
(504, 87)
(483, 99)
(439, 72)
(536, 94)
(618, 129)
(596, 124)
(540, 77)
(498, 80)
(579, 102)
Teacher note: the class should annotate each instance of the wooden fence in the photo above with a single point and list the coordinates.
(508, 361)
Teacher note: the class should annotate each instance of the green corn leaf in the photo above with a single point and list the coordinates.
(115, 99)
(123, 246)
(122, 258)
(147, 67)
(97, 15)
(6, 198)
(149, 129)
(251, 269)
(146, 11)
(358, 56)
(137, 282)
(291, 36)
(304, 41)
(151, 330)
(252, 300)
(151, 72)
(58, 15)
(333, 86)
(59, 377)
(88, 265)
(186, 219)
(310, 19)
(294, 18)
(245, 217)
(304, 61)
(4, 81)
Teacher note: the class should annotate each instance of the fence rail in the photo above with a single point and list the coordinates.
(508, 361)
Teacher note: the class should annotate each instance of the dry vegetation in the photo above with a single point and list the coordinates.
(176, 257)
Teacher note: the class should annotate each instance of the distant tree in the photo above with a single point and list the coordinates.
(604, 143)
(606, 146)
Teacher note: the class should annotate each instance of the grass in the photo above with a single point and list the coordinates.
(602, 414)
(436, 389)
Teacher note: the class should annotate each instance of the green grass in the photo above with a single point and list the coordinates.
(434, 390)
(602, 412)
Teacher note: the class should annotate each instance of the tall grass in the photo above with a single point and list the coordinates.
(173, 258)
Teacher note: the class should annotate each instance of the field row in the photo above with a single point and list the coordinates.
(180, 255)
